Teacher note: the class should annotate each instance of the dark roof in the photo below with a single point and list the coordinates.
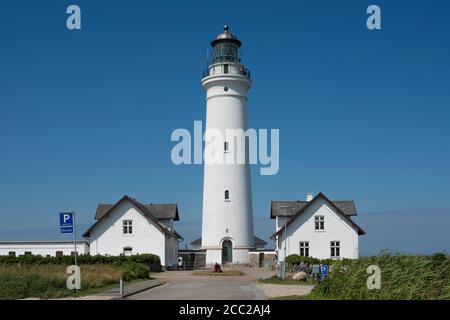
(198, 242)
(159, 211)
(332, 203)
(143, 209)
(259, 240)
(291, 208)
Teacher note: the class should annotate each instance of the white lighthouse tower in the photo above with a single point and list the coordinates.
(227, 226)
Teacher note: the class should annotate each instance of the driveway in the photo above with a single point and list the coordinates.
(182, 285)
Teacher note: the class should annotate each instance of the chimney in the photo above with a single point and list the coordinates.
(309, 196)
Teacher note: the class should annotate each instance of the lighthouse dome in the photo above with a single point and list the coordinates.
(226, 36)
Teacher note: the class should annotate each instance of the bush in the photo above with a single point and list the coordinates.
(132, 270)
(150, 260)
(296, 259)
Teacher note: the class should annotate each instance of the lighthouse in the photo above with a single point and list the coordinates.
(227, 221)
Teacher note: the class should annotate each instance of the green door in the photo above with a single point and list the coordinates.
(227, 251)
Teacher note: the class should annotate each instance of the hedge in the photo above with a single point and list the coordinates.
(296, 259)
(150, 260)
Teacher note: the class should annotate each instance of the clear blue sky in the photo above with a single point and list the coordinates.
(86, 116)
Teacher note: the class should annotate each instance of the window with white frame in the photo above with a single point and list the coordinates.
(335, 249)
(304, 248)
(319, 223)
(127, 226)
(127, 251)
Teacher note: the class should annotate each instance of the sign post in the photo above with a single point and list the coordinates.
(67, 225)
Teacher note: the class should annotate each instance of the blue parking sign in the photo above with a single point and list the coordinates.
(65, 219)
(324, 269)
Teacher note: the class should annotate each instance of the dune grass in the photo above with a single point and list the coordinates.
(49, 281)
(402, 278)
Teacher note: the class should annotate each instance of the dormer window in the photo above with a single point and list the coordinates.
(227, 195)
(127, 226)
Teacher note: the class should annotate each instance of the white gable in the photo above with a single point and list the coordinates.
(336, 228)
(107, 237)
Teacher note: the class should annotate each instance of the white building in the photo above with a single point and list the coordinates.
(317, 227)
(227, 225)
(130, 227)
(43, 248)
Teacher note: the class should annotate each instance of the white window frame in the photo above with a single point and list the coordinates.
(305, 246)
(319, 223)
(335, 249)
(129, 250)
(127, 227)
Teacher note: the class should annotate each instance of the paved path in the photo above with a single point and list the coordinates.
(182, 285)
(185, 286)
(283, 290)
(114, 293)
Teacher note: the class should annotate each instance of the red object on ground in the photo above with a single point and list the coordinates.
(217, 268)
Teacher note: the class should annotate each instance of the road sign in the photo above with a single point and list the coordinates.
(66, 229)
(324, 269)
(67, 225)
(65, 219)
(316, 269)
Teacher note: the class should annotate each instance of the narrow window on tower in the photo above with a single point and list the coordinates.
(225, 68)
(227, 195)
(226, 147)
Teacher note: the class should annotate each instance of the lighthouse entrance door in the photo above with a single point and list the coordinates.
(227, 251)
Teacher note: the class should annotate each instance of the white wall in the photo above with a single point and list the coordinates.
(107, 237)
(42, 248)
(222, 219)
(336, 229)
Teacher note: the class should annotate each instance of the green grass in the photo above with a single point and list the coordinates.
(49, 281)
(223, 273)
(402, 278)
(287, 281)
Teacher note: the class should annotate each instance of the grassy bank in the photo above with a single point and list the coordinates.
(287, 281)
(223, 273)
(49, 281)
(402, 277)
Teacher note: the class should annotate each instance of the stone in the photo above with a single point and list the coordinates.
(300, 276)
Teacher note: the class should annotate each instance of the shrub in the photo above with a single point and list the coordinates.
(150, 260)
(296, 259)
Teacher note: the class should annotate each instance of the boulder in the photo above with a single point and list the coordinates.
(300, 276)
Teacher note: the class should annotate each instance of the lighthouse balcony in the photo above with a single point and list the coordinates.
(225, 69)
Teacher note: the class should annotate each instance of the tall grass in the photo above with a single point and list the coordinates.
(402, 278)
(49, 281)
